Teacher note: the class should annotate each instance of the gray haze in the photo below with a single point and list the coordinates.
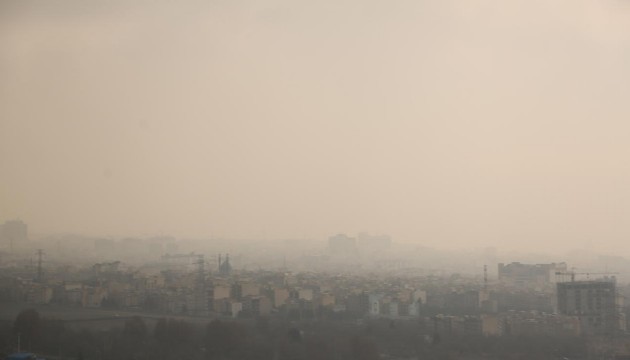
(447, 123)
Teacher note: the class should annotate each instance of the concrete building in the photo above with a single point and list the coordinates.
(341, 244)
(491, 325)
(221, 292)
(413, 309)
(93, 296)
(393, 309)
(374, 303)
(327, 299)
(593, 302)
(530, 275)
(39, 294)
(419, 296)
(305, 294)
(232, 308)
(280, 297)
(250, 289)
(256, 305)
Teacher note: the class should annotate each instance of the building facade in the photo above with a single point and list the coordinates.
(593, 302)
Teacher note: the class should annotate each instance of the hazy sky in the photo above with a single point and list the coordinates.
(481, 123)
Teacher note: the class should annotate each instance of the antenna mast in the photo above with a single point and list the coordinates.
(40, 255)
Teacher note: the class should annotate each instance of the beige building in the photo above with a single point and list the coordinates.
(39, 294)
(491, 325)
(221, 292)
(250, 289)
(280, 297)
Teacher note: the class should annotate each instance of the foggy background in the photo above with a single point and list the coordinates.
(445, 123)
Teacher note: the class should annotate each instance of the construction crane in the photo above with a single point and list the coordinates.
(200, 290)
(588, 274)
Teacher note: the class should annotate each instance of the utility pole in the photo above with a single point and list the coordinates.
(40, 255)
(201, 296)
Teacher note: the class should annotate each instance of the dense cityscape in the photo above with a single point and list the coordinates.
(297, 306)
(314, 180)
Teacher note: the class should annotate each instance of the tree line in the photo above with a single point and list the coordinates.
(270, 339)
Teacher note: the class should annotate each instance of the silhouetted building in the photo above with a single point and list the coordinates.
(341, 244)
(593, 302)
(530, 275)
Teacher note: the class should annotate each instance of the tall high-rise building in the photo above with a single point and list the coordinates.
(530, 274)
(593, 302)
(341, 244)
